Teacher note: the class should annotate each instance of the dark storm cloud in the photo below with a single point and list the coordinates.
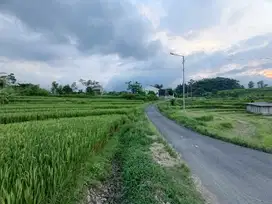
(98, 26)
(20, 49)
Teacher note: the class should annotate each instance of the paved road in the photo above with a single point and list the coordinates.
(232, 174)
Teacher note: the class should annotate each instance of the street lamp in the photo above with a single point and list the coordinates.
(183, 82)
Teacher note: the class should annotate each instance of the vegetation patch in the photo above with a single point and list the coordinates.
(240, 128)
(226, 125)
(145, 180)
(205, 118)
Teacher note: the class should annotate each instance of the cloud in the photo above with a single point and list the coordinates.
(190, 15)
(97, 26)
(117, 41)
(267, 73)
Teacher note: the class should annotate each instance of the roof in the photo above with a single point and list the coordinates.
(151, 88)
(264, 104)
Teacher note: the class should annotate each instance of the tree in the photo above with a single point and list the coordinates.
(29, 89)
(6, 80)
(3, 80)
(135, 88)
(251, 84)
(210, 85)
(11, 78)
(59, 89)
(89, 90)
(90, 85)
(158, 86)
(260, 84)
(74, 86)
(170, 91)
(179, 89)
(190, 84)
(54, 87)
(67, 89)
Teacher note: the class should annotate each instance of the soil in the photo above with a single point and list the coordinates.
(108, 192)
(161, 156)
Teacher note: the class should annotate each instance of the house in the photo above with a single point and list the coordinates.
(98, 89)
(263, 108)
(151, 88)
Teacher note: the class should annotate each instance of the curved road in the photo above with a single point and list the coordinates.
(230, 173)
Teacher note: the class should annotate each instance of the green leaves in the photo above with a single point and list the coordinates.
(45, 157)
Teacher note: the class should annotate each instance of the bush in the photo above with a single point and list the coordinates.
(130, 96)
(151, 98)
(31, 90)
(226, 125)
(6, 95)
(205, 118)
(173, 102)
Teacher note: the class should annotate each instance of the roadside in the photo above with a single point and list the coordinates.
(230, 173)
(238, 127)
(149, 170)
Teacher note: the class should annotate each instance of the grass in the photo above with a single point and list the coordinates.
(41, 161)
(62, 107)
(6, 118)
(239, 127)
(54, 100)
(145, 181)
(53, 150)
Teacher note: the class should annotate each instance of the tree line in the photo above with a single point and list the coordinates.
(9, 87)
(203, 87)
(260, 84)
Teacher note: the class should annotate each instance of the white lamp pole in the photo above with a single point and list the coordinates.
(183, 82)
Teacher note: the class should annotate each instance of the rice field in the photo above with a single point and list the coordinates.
(226, 120)
(46, 148)
(66, 151)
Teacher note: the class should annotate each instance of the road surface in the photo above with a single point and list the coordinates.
(230, 173)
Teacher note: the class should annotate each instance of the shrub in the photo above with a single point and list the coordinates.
(6, 95)
(130, 96)
(205, 118)
(226, 125)
(173, 102)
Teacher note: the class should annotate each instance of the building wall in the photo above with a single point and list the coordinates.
(265, 110)
(151, 88)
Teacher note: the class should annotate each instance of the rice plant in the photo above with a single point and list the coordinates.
(6, 118)
(41, 161)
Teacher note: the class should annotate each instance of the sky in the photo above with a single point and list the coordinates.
(114, 41)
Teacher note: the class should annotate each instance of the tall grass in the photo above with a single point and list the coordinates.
(62, 107)
(54, 100)
(41, 161)
(6, 118)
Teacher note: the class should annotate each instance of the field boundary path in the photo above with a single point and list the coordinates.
(232, 174)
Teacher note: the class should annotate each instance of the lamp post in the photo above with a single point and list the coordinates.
(183, 81)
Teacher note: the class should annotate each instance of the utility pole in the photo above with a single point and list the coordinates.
(191, 91)
(183, 72)
(183, 82)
